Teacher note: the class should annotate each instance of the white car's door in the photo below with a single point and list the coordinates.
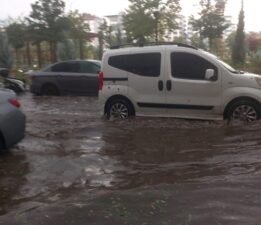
(189, 94)
(146, 85)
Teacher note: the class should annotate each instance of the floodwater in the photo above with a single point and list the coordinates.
(76, 168)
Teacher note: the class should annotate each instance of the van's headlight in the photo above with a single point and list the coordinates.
(258, 80)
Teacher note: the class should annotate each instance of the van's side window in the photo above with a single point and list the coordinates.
(189, 66)
(145, 64)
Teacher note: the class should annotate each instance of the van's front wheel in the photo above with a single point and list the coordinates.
(244, 110)
(119, 108)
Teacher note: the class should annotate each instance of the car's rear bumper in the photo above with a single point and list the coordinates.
(13, 127)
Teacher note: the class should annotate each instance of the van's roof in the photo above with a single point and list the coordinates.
(147, 48)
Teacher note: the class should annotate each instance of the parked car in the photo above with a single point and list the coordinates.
(176, 80)
(78, 77)
(11, 83)
(12, 119)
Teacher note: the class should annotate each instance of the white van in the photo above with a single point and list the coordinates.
(176, 81)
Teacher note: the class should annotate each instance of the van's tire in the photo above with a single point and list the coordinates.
(50, 90)
(119, 108)
(245, 110)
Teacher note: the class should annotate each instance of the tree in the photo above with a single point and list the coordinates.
(78, 30)
(211, 22)
(49, 23)
(5, 53)
(197, 41)
(16, 35)
(239, 46)
(106, 34)
(151, 19)
(66, 50)
(254, 41)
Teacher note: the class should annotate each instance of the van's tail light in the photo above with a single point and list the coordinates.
(100, 80)
(14, 102)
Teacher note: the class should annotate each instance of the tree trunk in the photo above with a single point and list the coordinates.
(210, 40)
(81, 49)
(51, 48)
(16, 57)
(28, 54)
(54, 52)
(101, 41)
(39, 54)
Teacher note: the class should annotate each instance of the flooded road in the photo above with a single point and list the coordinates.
(74, 167)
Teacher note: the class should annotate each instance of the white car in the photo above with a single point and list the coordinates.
(12, 119)
(176, 81)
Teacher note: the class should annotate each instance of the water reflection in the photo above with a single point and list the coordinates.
(178, 153)
(13, 169)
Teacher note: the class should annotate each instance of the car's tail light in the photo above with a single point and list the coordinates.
(100, 80)
(14, 102)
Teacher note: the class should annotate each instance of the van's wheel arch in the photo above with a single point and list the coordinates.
(50, 89)
(119, 107)
(245, 109)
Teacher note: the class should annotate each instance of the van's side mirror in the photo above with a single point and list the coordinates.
(210, 75)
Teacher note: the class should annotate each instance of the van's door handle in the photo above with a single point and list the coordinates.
(160, 85)
(169, 85)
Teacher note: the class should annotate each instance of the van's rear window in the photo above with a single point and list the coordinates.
(144, 64)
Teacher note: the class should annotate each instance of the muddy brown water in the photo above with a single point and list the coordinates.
(74, 167)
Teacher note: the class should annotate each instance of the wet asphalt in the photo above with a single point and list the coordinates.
(76, 168)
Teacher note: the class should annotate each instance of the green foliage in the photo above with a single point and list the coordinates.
(254, 65)
(197, 41)
(78, 27)
(211, 22)
(16, 34)
(48, 17)
(66, 50)
(239, 45)
(254, 43)
(47, 22)
(5, 52)
(106, 34)
(149, 19)
(78, 30)
(92, 52)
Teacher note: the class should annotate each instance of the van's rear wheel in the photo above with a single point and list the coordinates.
(244, 110)
(119, 108)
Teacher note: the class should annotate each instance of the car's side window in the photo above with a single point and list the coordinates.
(88, 67)
(189, 66)
(144, 64)
(69, 67)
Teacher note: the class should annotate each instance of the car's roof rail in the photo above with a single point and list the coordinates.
(152, 44)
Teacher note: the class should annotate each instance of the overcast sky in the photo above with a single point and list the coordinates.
(15, 8)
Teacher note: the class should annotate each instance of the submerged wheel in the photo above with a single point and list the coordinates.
(119, 108)
(49, 89)
(244, 110)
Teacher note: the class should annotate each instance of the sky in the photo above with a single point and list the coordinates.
(15, 8)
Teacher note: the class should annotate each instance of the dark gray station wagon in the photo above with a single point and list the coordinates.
(76, 77)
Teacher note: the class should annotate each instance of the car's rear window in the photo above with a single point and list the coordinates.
(143, 64)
